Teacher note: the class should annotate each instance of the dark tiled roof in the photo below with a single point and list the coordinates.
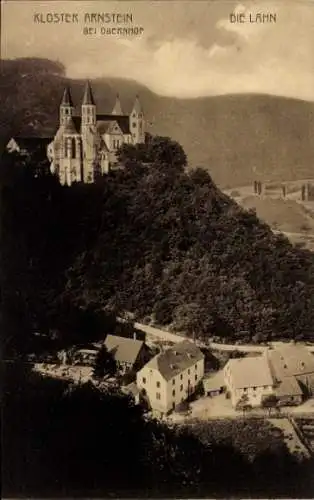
(290, 360)
(176, 359)
(122, 120)
(124, 350)
(288, 387)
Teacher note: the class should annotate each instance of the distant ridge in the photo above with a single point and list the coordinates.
(238, 138)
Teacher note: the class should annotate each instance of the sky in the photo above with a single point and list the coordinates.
(187, 48)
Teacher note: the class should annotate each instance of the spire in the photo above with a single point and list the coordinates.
(137, 107)
(88, 95)
(117, 110)
(67, 99)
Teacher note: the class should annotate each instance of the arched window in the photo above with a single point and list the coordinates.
(73, 148)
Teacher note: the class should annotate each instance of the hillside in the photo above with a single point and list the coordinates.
(238, 138)
(156, 241)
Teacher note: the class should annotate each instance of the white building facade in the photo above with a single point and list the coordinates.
(171, 377)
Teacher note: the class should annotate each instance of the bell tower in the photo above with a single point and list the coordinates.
(66, 107)
(88, 108)
(137, 126)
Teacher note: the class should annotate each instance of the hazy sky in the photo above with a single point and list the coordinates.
(187, 49)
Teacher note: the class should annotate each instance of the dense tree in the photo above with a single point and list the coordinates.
(105, 363)
(158, 242)
(62, 440)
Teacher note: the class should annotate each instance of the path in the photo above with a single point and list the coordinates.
(172, 337)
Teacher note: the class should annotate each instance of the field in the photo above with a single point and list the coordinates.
(290, 215)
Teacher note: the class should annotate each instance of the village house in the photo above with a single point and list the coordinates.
(249, 379)
(129, 353)
(292, 368)
(171, 377)
(286, 371)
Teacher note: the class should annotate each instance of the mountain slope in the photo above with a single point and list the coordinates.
(238, 138)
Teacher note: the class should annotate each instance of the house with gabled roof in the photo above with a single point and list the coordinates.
(129, 353)
(171, 377)
(248, 378)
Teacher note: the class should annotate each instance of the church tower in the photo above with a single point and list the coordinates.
(88, 134)
(137, 122)
(117, 109)
(88, 107)
(66, 107)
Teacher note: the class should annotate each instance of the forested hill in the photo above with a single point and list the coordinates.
(153, 240)
(238, 138)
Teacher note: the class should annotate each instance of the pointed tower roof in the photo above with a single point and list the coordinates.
(67, 99)
(88, 95)
(137, 107)
(117, 110)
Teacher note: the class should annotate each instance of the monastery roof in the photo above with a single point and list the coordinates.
(124, 349)
(122, 120)
(176, 359)
(290, 360)
(250, 372)
(103, 121)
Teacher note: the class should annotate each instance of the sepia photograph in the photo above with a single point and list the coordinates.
(157, 249)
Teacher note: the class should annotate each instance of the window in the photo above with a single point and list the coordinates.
(158, 384)
(181, 387)
(173, 392)
(189, 382)
(195, 367)
(189, 371)
(133, 124)
(195, 377)
(144, 380)
(73, 148)
(181, 376)
(254, 388)
(158, 395)
(245, 389)
(173, 381)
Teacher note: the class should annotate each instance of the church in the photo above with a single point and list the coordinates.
(85, 145)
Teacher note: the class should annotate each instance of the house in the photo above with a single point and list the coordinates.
(214, 384)
(248, 379)
(292, 367)
(171, 377)
(129, 353)
(286, 371)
